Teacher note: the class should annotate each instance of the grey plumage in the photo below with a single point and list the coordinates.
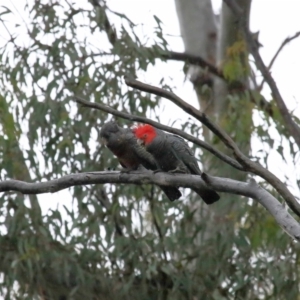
(123, 144)
(173, 154)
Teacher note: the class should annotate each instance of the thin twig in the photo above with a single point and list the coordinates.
(283, 44)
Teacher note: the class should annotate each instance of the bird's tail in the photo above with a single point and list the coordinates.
(208, 195)
(172, 193)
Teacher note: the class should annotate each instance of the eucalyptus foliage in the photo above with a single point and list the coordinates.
(114, 241)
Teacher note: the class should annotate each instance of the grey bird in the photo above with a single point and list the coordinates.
(123, 144)
(173, 154)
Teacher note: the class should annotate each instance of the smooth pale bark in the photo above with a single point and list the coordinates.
(197, 26)
(235, 115)
(197, 21)
(251, 189)
(199, 33)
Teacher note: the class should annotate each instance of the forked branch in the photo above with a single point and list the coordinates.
(248, 165)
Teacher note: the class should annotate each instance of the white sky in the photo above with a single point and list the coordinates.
(275, 19)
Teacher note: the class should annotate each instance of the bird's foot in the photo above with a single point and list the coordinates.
(126, 170)
(111, 169)
(177, 170)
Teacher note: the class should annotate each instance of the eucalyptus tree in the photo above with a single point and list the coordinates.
(66, 69)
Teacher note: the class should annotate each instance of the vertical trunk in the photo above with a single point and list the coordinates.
(226, 102)
(232, 106)
(230, 37)
(199, 33)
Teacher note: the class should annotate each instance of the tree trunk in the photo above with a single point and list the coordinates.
(223, 101)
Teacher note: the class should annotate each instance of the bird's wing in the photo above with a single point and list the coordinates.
(184, 153)
(147, 159)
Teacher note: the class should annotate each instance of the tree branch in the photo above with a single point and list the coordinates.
(199, 61)
(194, 60)
(291, 126)
(191, 110)
(134, 177)
(252, 190)
(178, 56)
(189, 137)
(283, 44)
(189, 58)
(248, 165)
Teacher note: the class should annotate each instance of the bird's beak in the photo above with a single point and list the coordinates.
(103, 141)
(140, 142)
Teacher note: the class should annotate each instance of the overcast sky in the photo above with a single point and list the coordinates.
(275, 19)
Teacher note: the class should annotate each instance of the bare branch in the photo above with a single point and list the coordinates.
(291, 126)
(189, 137)
(87, 178)
(252, 190)
(199, 61)
(249, 165)
(283, 44)
(194, 60)
(191, 110)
